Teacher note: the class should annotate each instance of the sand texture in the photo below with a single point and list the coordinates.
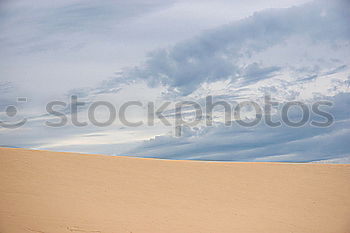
(50, 192)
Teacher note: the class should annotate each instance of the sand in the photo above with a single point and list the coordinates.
(50, 192)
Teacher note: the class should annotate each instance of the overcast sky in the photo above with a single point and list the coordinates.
(173, 50)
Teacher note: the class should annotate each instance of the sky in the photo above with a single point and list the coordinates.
(176, 50)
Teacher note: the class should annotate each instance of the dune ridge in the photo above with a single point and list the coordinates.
(52, 192)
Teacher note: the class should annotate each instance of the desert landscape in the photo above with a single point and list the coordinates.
(51, 192)
(174, 116)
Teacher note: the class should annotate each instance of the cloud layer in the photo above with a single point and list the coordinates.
(292, 53)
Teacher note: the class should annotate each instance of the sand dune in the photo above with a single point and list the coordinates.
(48, 192)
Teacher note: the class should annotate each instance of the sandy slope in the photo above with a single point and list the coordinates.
(47, 192)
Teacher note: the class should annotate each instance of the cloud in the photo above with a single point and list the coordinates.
(260, 143)
(342, 160)
(5, 86)
(218, 53)
(32, 27)
(295, 53)
(254, 72)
